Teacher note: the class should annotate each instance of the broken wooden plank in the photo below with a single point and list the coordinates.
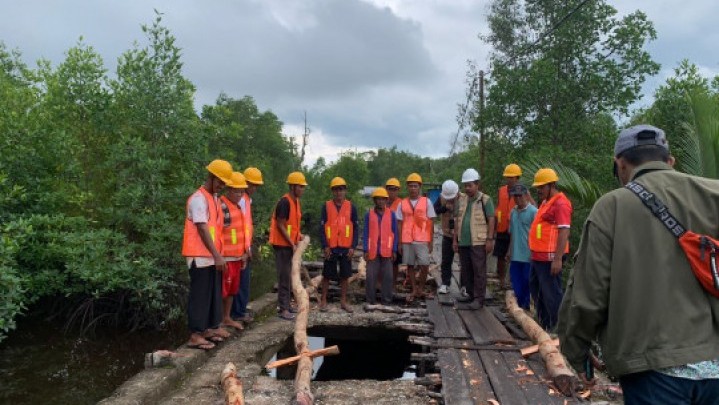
(428, 357)
(532, 384)
(480, 390)
(485, 328)
(504, 382)
(436, 316)
(454, 323)
(455, 387)
(535, 348)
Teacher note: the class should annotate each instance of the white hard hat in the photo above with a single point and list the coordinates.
(449, 189)
(470, 175)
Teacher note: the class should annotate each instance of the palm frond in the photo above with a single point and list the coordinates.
(581, 190)
(697, 152)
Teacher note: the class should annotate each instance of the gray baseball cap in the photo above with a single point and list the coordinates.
(639, 135)
(518, 189)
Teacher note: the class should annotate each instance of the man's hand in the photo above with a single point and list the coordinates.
(350, 253)
(366, 256)
(328, 253)
(294, 247)
(489, 246)
(430, 245)
(556, 266)
(394, 257)
(220, 264)
(455, 246)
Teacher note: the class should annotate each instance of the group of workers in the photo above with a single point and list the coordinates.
(644, 285)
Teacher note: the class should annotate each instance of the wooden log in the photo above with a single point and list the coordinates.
(563, 377)
(394, 310)
(535, 348)
(429, 357)
(421, 328)
(361, 272)
(231, 385)
(431, 380)
(303, 393)
(327, 351)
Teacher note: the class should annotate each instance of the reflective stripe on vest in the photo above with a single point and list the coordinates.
(338, 228)
(192, 245)
(233, 233)
(416, 227)
(543, 235)
(380, 232)
(293, 224)
(505, 203)
(249, 227)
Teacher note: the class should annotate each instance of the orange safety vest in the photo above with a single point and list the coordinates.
(542, 234)
(339, 228)
(293, 224)
(249, 227)
(192, 245)
(505, 203)
(416, 227)
(382, 232)
(233, 234)
(397, 201)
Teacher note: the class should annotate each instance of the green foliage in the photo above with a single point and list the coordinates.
(551, 91)
(698, 150)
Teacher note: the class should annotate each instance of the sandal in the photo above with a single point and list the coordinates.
(287, 315)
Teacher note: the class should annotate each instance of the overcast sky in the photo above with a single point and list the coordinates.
(369, 73)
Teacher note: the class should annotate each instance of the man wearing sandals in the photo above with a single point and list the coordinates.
(473, 237)
(338, 235)
(414, 217)
(202, 246)
(284, 236)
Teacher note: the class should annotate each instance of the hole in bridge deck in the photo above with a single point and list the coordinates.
(365, 354)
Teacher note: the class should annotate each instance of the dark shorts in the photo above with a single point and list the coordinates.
(501, 244)
(331, 264)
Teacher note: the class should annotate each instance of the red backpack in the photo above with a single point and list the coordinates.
(700, 250)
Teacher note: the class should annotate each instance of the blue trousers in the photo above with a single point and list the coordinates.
(654, 388)
(242, 298)
(519, 276)
(547, 293)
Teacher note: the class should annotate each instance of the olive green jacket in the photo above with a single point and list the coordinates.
(631, 287)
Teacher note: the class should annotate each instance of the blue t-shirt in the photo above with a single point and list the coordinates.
(519, 223)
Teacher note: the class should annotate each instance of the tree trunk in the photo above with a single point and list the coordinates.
(562, 375)
(304, 366)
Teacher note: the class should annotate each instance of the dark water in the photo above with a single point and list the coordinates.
(362, 356)
(40, 364)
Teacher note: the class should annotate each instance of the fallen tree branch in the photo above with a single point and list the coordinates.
(327, 351)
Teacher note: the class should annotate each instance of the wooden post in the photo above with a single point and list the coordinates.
(562, 375)
(303, 394)
(232, 385)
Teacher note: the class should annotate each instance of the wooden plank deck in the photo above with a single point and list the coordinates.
(476, 376)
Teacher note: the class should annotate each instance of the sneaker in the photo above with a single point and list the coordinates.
(443, 289)
(463, 292)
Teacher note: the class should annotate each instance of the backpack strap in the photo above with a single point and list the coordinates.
(658, 209)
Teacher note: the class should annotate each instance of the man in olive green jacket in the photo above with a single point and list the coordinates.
(632, 288)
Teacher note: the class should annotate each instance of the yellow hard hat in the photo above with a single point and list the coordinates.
(254, 175)
(393, 182)
(414, 177)
(337, 181)
(380, 192)
(222, 169)
(544, 176)
(512, 170)
(237, 180)
(296, 178)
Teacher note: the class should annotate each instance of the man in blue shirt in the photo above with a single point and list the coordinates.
(520, 220)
